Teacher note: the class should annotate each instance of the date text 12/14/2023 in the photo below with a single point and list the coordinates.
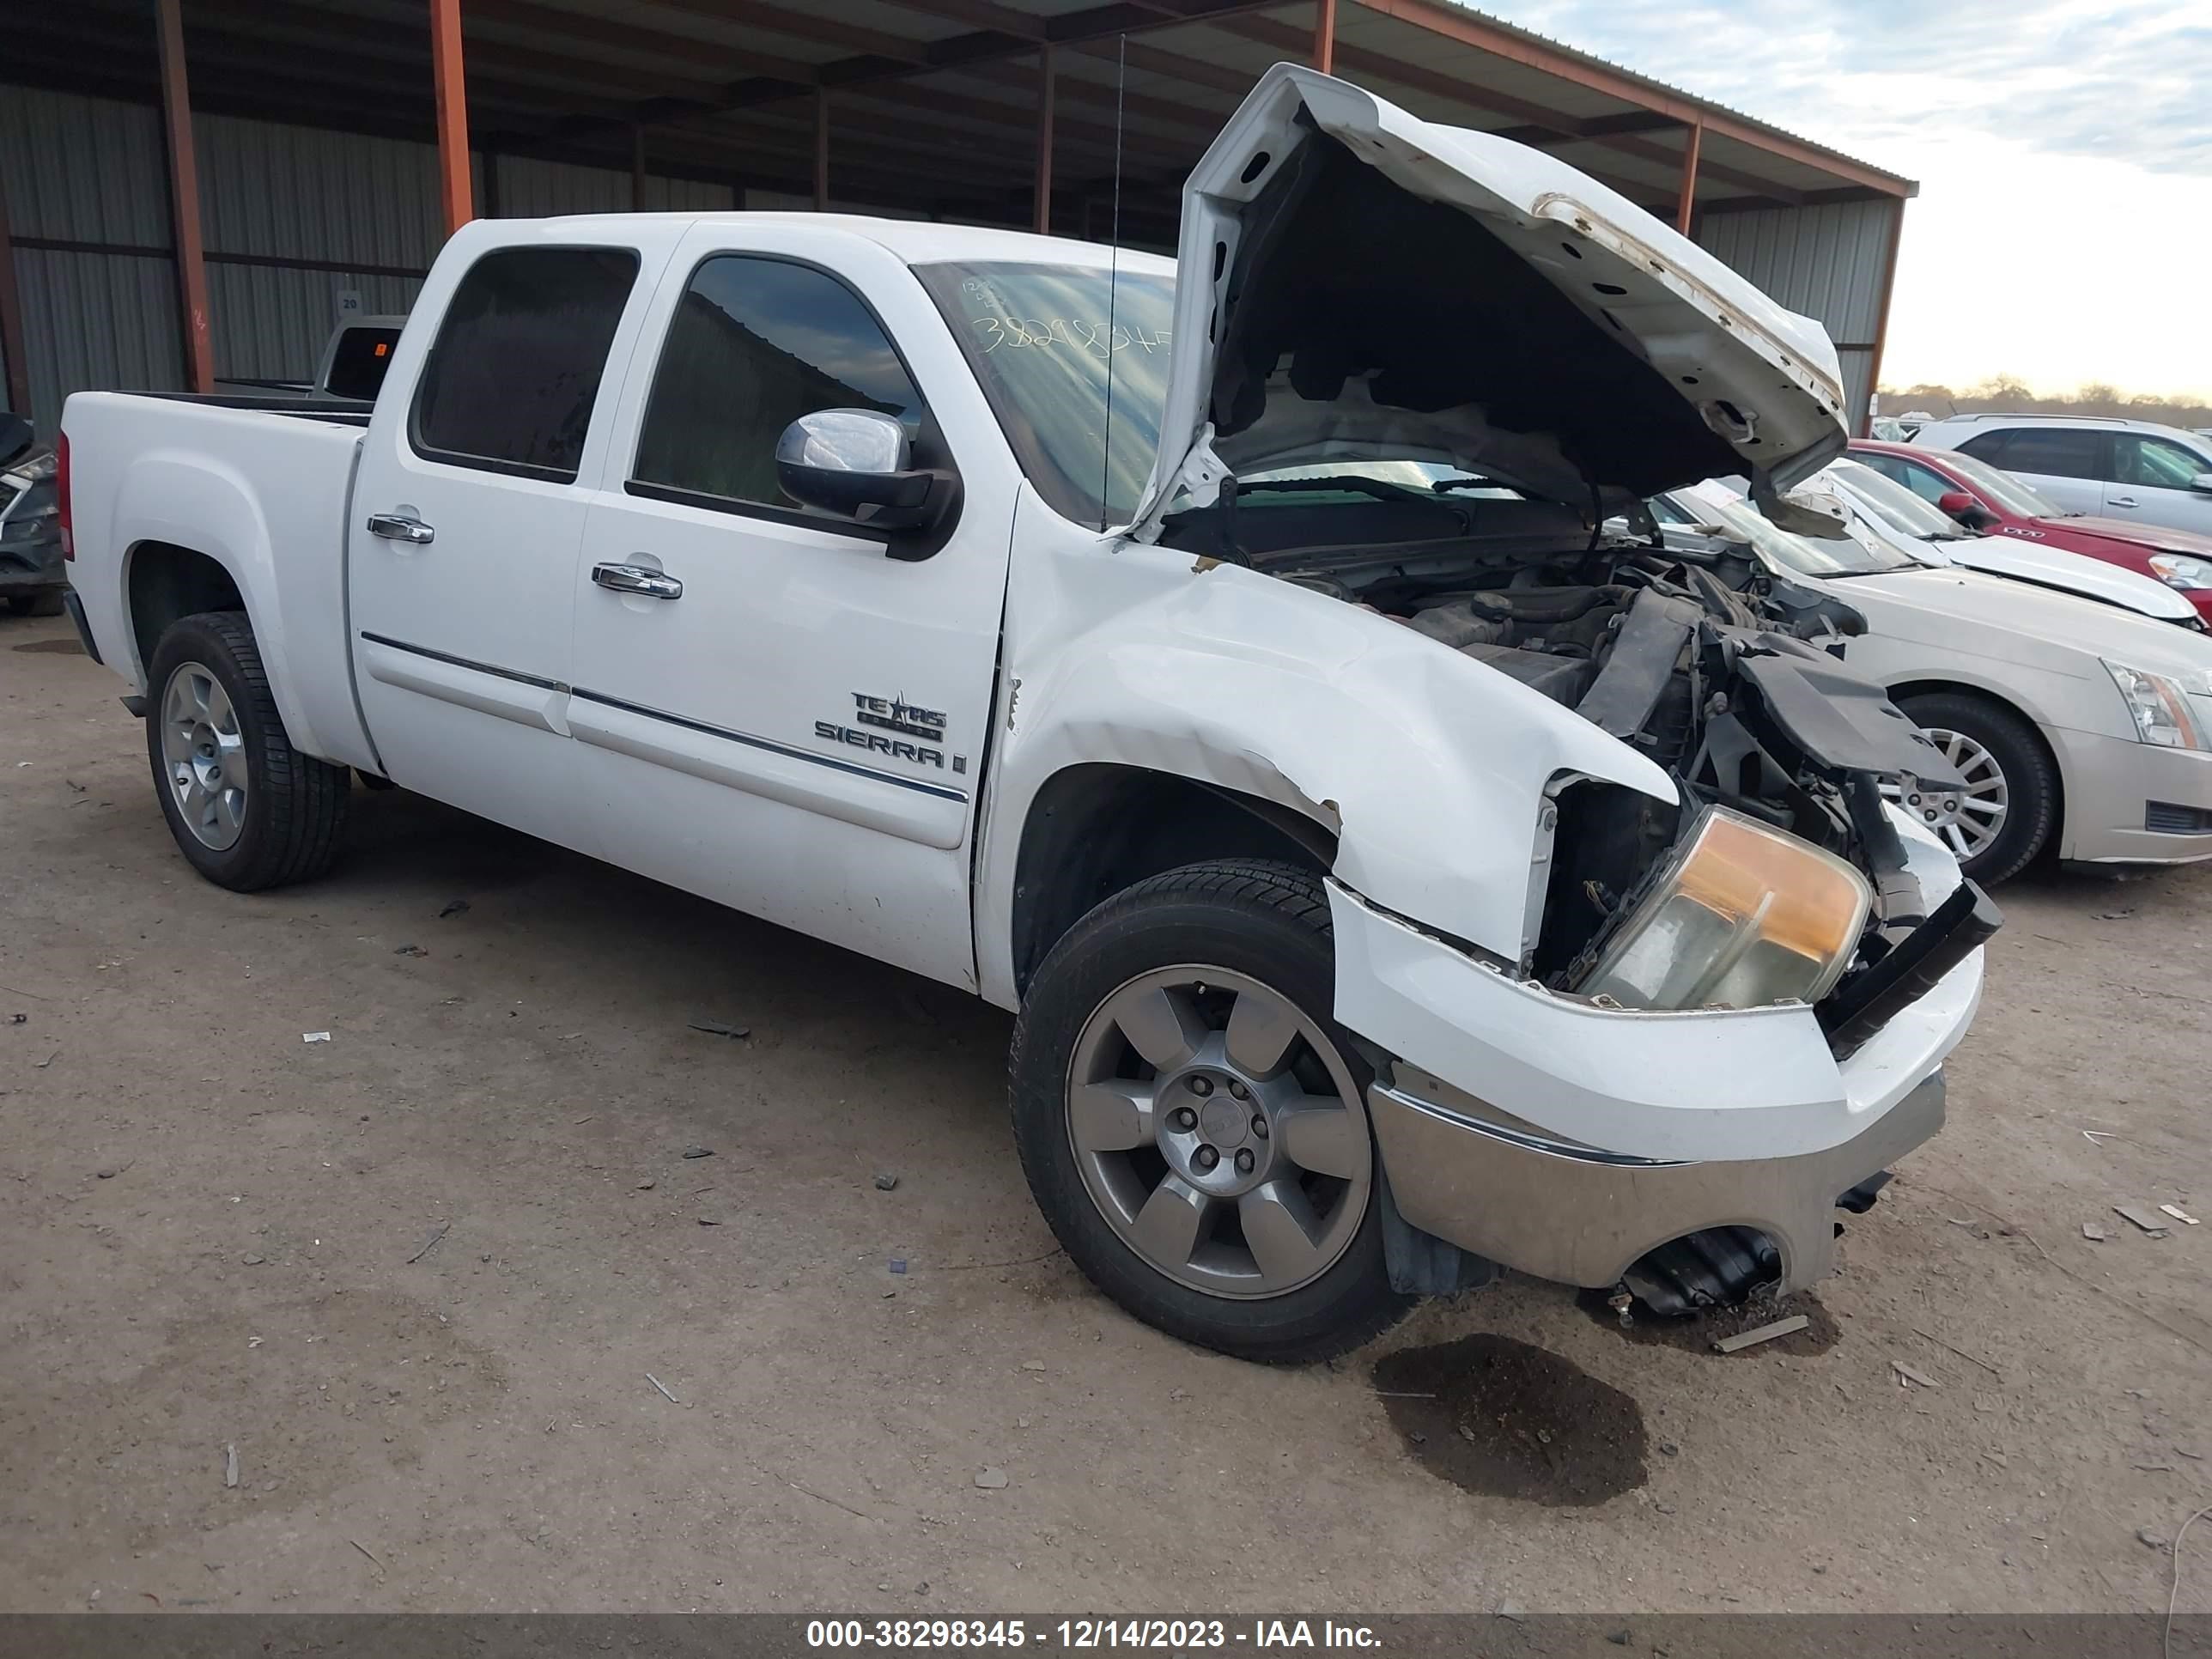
(1082, 1635)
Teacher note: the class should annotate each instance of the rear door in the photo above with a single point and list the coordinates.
(468, 509)
(2153, 481)
(775, 707)
(2069, 464)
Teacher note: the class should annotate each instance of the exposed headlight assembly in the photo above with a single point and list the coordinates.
(2179, 570)
(1742, 916)
(2160, 707)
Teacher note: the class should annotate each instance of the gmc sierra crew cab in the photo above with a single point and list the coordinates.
(1226, 664)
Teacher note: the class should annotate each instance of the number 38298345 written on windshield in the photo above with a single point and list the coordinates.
(1071, 333)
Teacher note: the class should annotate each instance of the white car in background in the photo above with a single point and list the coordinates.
(2080, 729)
(2134, 469)
(1934, 537)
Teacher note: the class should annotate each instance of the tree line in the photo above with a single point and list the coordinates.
(2003, 393)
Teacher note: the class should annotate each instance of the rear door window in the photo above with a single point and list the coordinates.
(513, 377)
(2054, 452)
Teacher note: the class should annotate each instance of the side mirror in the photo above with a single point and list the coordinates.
(2202, 484)
(1964, 508)
(854, 463)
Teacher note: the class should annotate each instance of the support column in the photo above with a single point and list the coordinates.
(185, 199)
(1686, 200)
(822, 150)
(11, 319)
(637, 167)
(451, 84)
(1864, 425)
(1044, 186)
(1324, 44)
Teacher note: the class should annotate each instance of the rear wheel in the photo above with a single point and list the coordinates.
(2009, 808)
(1193, 1124)
(246, 809)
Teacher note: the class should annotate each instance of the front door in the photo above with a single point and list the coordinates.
(467, 515)
(2153, 481)
(772, 708)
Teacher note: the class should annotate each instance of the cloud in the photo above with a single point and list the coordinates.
(2118, 79)
(2063, 150)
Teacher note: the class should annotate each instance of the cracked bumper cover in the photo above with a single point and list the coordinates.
(1566, 1140)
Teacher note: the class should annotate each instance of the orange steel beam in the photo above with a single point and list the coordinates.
(450, 83)
(185, 198)
(1324, 40)
(1687, 201)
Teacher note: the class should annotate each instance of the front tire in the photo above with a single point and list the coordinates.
(2010, 807)
(247, 809)
(1193, 1122)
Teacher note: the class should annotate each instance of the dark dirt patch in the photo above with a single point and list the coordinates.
(1698, 1333)
(66, 646)
(1493, 1415)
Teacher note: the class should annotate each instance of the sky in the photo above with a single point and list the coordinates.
(2063, 229)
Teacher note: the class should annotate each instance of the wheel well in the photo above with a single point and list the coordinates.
(1898, 693)
(167, 583)
(1095, 830)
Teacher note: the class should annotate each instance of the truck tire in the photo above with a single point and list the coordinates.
(1193, 1124)
(247, 809)
(2006, 766)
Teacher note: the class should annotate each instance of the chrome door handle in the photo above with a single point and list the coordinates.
(636, 579)
(2122, 501)
(400, 527)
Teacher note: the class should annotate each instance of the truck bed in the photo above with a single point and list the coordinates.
(262, 485)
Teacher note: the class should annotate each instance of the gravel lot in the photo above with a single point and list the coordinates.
(423, 1279)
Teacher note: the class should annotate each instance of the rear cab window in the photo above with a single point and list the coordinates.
(511, 380)
(358, 358)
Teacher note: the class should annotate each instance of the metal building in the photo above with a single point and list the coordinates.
(192, 191)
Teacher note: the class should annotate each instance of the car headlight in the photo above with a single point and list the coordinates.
(2179, 570)
(2160, 707)
(1742, 916)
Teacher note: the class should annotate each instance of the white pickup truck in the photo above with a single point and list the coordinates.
(1397, 873)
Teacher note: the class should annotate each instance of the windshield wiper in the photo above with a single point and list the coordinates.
(1444, 486)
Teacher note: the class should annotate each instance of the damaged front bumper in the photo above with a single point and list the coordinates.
(1584, 1216)
(1568, 1139)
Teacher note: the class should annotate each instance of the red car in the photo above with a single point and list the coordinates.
(1996, 503)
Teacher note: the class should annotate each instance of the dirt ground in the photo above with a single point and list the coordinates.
(430, 1280)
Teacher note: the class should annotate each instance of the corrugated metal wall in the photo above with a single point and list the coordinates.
(88, 171)
(1827, 261)
(293, 219)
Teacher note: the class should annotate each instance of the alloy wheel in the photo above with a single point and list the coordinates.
(203, 754)
(1219, 1132)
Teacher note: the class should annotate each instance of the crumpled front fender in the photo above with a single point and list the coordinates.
(1430, 768)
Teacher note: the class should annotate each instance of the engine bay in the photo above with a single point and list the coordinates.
(1712, 666)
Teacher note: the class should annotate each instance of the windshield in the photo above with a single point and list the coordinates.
(1862, 554)
(1040, 338)
(2002, 488)
(1894, 504)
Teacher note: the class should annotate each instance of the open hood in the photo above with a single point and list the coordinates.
(1356, 283)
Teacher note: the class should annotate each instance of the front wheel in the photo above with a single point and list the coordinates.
(1193, 1124)
(247, 809)
(2009, 808)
